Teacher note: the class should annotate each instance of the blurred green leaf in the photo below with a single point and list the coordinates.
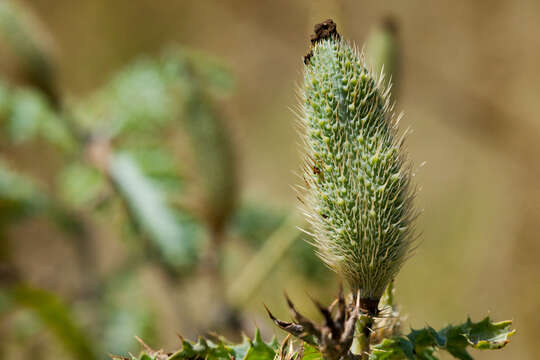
(28, 116)
(5, 101)
(173, 236)
(56, 316)
(26, 111)
(158, 164)
(19, 196)
(422, 344)
(213, 152)
(214, 74)
(140, 98)
(80, 184)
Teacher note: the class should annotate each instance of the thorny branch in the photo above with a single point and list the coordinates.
(334, 337)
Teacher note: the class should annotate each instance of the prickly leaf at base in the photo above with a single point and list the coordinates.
(216, 349)
(422, 344)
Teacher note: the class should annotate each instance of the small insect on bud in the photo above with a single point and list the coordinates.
(361, 194)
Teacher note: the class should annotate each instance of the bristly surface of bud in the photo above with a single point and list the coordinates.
(359, 200)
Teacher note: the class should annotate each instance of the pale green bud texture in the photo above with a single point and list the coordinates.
(359, 198)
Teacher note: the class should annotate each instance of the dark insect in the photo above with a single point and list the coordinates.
(317, 171)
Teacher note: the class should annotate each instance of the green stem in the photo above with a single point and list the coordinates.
(366, 334)
(260, 265)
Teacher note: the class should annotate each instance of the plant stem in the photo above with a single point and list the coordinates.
(366, 331)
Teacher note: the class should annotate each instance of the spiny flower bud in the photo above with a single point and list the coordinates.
(359, 198)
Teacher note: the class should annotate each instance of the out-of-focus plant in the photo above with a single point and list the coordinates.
(118, 149)
(118, 165)
(383, 51)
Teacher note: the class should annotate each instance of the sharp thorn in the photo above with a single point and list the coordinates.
(146, 347)
(270, 313)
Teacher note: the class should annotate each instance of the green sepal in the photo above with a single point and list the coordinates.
(423, 343)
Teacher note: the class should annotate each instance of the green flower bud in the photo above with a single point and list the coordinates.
(362, 225)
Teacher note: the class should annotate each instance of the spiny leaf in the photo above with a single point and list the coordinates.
(422, 344)
(487, 335)
(260, 350)
(217, 349)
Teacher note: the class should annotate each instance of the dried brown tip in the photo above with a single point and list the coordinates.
(269, 313)
(300, 331)
(324, 30)
(308, 325)
(291, 328)
(181, 338)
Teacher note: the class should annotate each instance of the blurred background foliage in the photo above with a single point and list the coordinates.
(147, 151)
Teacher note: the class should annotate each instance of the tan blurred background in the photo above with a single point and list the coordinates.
(469, 87)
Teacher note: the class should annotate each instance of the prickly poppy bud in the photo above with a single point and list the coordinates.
(359, 198)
